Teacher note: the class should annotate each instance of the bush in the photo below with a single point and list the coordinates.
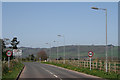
(12, 71)
(5, 69)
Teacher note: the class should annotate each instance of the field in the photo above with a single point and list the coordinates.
(112, 53)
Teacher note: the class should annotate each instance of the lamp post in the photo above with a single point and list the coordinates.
(64, 45)
(30, 54)
(78, 54)
(106, 29)
(112, 52)
(50, 50)
(57, 49)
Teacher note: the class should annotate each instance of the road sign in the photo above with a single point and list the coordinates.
(90, 53)
(9, 53)
(17, 52)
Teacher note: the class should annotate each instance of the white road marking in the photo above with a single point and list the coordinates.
(51, 73)
(55, 76)
(75, 71)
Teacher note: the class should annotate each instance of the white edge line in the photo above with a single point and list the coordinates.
(76, 71)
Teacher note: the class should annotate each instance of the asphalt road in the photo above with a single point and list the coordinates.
(39, 71)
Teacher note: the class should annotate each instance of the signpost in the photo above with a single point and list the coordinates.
(17, 52)
(90, 54)
(9, 53)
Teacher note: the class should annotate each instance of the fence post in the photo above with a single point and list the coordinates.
(115, 67)
(87, 63)
(118, 67)
(96, 64)
(79, 63)
(109, 67)
(105, 66)
(84, 64)
(100, 64)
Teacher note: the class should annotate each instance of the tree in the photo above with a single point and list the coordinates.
(14, 43)
(75, 58)
(27, 58)
(42, 54)
(6, 41)
(3, 44)
(31, 57)
(70, 58)
(4, 56)
(60, 58)
(4, 50)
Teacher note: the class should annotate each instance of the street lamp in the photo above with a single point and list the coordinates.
(57, 49)
(50, 49)
(106, 30)
(64, 45)
(78, 54)
(112, 52)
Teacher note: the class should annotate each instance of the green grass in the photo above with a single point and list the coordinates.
(0, 69)
(13, 73)
(95, 72)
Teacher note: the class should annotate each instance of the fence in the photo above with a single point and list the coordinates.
(98, 64)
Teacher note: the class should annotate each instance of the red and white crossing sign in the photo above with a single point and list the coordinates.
(90, 53)
(9, 53)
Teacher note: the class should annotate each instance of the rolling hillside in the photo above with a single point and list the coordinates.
(71, 51)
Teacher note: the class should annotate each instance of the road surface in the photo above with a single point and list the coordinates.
(39, 71)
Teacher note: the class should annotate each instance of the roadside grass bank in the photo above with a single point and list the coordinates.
(13, 71)
(95, 72)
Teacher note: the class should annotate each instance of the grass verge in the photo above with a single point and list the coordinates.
(95, 72)
(13, 72)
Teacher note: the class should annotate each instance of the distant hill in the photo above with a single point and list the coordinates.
(71, 51)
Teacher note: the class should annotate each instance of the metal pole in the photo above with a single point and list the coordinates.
(57, 51)
(8, 62)
(111, 53)
(90, 63)
(106, 39)
(78, 55)
(106, 31)
(64, 49)
(30, 58)
(50, 52)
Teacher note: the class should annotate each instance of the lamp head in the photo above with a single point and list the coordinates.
(94, 8)
(58, 35)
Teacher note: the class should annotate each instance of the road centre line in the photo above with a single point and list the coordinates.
(51, 73)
